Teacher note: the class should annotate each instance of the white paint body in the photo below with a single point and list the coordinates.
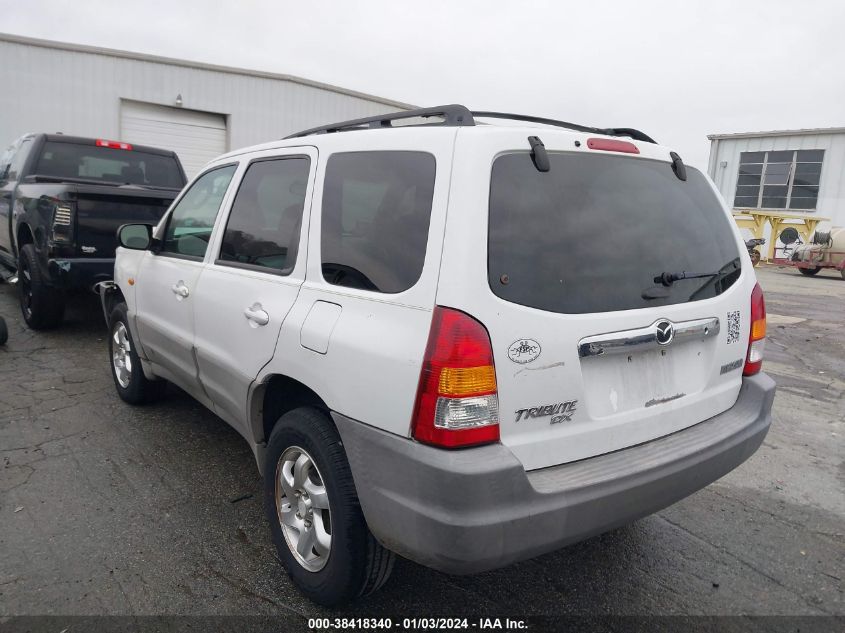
(362, 351)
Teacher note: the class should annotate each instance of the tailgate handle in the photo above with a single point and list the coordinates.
(646, 338)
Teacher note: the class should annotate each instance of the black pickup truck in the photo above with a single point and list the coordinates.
(61, 200)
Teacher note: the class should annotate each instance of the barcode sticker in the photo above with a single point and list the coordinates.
(733, 326)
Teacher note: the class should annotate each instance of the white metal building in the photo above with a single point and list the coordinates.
(794, 171)
(198, 110)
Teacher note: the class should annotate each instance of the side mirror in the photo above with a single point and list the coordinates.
(137, 237)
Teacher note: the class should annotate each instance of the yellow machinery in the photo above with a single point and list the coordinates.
(755, 220)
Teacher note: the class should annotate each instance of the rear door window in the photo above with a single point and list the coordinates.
(591, 234)
(264, 225)
(375, 219)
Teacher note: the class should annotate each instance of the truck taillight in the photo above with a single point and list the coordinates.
(457, 402)
(757, 337)
(62, 224)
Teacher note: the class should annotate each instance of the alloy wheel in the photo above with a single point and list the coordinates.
(302, 505)
(121, 358)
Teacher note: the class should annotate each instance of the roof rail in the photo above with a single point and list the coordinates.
(610, 131)
(456, 115)
(453, 115)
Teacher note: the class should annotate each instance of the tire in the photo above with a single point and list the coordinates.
(354, 564)
(43, 306)
(4, 332)
(755, 257)
(810, 271)
(842, 272)
(131, 384)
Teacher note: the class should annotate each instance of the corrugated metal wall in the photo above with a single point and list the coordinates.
(78, 90)
(831, 202)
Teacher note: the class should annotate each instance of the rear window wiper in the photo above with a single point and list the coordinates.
(667, 279)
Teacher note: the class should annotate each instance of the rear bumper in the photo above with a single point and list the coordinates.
(80, 272)
(472, 510)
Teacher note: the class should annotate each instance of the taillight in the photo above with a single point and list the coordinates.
(457, 403)
(612, 145)
(113, 144)
(62, 224)
(757, 338)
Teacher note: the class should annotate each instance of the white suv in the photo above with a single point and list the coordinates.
(462, 342)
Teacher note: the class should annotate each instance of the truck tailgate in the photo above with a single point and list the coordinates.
(101, 210)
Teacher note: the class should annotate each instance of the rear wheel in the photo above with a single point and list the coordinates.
(810, 271)
(129, 380)
(43, 306)
(315, 518)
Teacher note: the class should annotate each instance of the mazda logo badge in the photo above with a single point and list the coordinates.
(665, 332)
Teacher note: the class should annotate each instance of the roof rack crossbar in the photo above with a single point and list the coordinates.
(454, 115)
(617, 131)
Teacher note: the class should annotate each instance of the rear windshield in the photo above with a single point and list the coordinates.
(592, 233)
(118, 166)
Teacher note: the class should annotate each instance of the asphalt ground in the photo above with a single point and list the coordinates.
(110, 509)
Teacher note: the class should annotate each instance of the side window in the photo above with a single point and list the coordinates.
(264, 224)
(19, 158)
(190, 224)
(375, 220)
(5, 158)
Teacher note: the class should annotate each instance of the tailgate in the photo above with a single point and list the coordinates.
(593, 354)
(101, 210)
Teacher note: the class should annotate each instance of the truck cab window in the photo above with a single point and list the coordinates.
(19, 158)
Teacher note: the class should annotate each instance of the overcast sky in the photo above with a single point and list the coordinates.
(676, 70)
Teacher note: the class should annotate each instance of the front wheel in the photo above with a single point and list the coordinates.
(810, 272)
(315, 518)
(129, 380)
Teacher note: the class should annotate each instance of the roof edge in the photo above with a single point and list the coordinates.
(800, 132)
(158, 59)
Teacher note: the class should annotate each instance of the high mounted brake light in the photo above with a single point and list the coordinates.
(457, 403)
(113, 144)
(611, 145)
(757, 336)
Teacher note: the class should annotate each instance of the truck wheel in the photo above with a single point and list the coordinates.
(810, 271)
(315, 518)
(4, 332)
(129, 380)
(43, 306)
(842, 272)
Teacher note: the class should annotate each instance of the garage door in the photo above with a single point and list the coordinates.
(196, 137)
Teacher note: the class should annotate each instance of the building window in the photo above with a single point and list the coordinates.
(779, 179)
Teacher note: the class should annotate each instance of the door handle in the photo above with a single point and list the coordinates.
(256, 315)
(180, 290)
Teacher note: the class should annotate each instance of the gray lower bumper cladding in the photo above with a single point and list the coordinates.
(468, 511)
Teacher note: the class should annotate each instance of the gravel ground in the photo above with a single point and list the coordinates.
(109, 509)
